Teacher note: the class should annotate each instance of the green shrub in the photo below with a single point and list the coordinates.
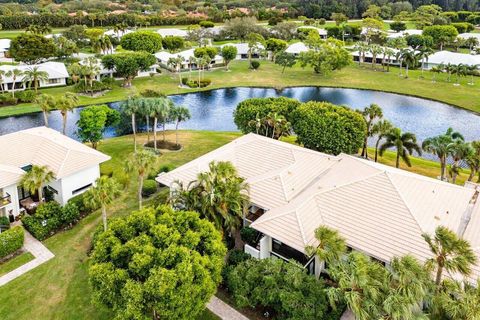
(236, 257)
(70, 213)
(79, 202)
(36, 227)
(149, 187)
(249, 109)
(4, 221)
(148, 41)
(184, 81)
(249, 236)
(206, 24)
(194, 83)
(25, 96)
(7, 99)
(328, 128)
(463, 27)
(11, 240)
(96, 87)
(108, 81)
(153, 93)
(255, 64)
(48, 210)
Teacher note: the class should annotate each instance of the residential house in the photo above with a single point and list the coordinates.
(379, 58)
(188, 59)
(57, 75)
(75, 166)
(446, 57)
(4, 47)
(297, 48)
(165, 32)
(243, 48)
(404, 33)
(321, 32)
(380, 210)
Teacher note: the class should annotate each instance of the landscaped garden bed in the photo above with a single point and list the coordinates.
(165, 145)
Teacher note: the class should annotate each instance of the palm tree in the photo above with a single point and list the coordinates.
(399, 57)
(370, 114)
(451, 254)
(458, 300)
(105, 191)
(380, 129)
(460, 150)
(471, 69)
(46, 102)
(176, 64)
(388, 53)
(423, 55)
(179, 114)
(449, 68)
(140, 163)
(436, 70)
(90, 69)
(404, 144)
(75, 70)
(160, 109)
(257, 123)
(146, 111)
(441, 147)
(14, 74)
(2, 74)
(375, 50)
(131, 107)
(36, 178)
(331, 246)
(34, 75)
(65, 104)
(473, 160)
(361, 48)
(410, 59)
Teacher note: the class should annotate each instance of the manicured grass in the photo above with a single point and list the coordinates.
(208, 315)
(15, 262)
(270, 75)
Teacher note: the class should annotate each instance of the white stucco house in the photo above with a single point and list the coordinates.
(188, 59)
(297, 48)
(468, 35)
(57, 75)
(118, 34)
(446, 57)
(4, 47)
(380, 210)
(165, 32)
(75, 166)
(242, 50)
(404, 33)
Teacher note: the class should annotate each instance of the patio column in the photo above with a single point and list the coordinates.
(265, 247)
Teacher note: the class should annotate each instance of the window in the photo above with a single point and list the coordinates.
(53, 81)
(74, 192)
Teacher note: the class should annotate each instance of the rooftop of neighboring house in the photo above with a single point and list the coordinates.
(55, 70)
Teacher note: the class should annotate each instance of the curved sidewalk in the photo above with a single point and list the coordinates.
(38, 250)
(223, 310)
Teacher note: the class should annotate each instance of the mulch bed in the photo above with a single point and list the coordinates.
(165, 145)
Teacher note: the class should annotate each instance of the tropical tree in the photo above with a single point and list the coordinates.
(410, 59)
(388, 53)
(458, 300)
(254, 41)
(14, 74)
(436, 70)
(380, 129)
(370, 114)
(2, 75)
(375, 50)
(441, 146)
(176, 64)
(404, 144)
(361, 48)
(331, 246)
(160, 110)
(89, 70)
(34, 180)
(471, 69)
(449, 68)
(103, 193)
(460, 70)
(179, 114)
(34, 75)
(140, 164)
(450, 253)
(423, 55)
(460, 150)
(132, 107)
(65, 104)
(473, 161)
(472, 42)
(228, 53)
(46, 103)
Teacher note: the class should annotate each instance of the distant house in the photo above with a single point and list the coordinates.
(445, 57)
(380, 210)
(188, 59)
(297, 48)
(165, 32)
(118, 34)
(75, 166)
(57, 75)
(4, 47)
(242, 50)
(322, 32)
(379, 59)
(403, 33)
(104, 72)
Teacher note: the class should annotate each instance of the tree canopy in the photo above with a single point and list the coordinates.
(93, 122)
(32, 48)
(142, 41)
(128, 64)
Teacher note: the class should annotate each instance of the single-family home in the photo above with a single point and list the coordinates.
(404, 33)
(57, 75)
(297, 48)
(188, 57)
(75, 166)
(321, 32)
(367, 57)
(380, 210)
(4, 47)
(469, 35)
(118, 34)
(165, 32)
(446, 57)
(243, 48)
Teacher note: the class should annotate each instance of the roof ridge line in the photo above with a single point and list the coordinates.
(63, 162)
(274, 217)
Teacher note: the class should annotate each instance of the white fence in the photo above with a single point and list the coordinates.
(252, 251)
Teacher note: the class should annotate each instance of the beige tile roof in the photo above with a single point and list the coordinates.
(44, 146)
(380, 210)
(9, 175)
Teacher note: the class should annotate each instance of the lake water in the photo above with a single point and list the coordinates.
(213, 110)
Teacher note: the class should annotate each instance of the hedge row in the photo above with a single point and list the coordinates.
(11, 240)
(194, 83)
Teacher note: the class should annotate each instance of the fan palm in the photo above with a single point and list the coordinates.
(146, 111)
(331, 246)
(65, 104)
(388, 53)
(140, 164)
(46, 103)
(179, 114)
(404, 144)
(14, 74)
(36, 178)
(370, 114)
(450, 253)
(471, 69)
(176, 64)
(473, 160)
(460, 150)
(436, 70)
(132, 107)
(423, 55)
(105, 191)
(160, 110)
(449, 68)
(34, 76)
(257, 123)
(380, 129)
(410, 59)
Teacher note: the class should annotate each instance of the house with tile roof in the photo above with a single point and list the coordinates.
(380, 210)
(74, 165)
(56, 71)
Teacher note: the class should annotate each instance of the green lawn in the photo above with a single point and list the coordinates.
(16, 262)
(270, 75)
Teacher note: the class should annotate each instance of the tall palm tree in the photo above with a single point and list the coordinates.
(146, 111)
(460, 70)
(331, 245)
(450, 253)
(423, 55)
(375, 50)
(410, 59)
(132, 107)
(404, 144)
(46, 103)
(471, 69)
(34, 76)
(14, 74)
(176, 64)
(104, 192)
(90, 69)
(65, 104)
(436, 70)
(473, 160)
(449, 68)
(458, 300)
(460, 150)
(388, 54)
(370, 114)
(2, 75)
(380, 129)
(160, 110)
(179, 114)
(361, 48)
(441, 146)
(140, 164)
(472, 42)
(257, 123)
(36, 178)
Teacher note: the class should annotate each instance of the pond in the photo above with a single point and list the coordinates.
(213, 110)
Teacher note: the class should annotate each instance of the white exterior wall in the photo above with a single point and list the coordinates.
(265, 247)
(252, 251)
(61, 82)
(14, 205)
(75, 181)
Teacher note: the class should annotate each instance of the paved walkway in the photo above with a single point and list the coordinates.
(38, 250)
(224, 311)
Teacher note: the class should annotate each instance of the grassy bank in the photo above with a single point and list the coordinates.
(270, 75)
(59, 288)
(15, 262)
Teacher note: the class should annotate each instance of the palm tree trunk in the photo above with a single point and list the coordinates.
(438, 277)
(376, 149)
(134, 133)
(163, 126)
(140, 187)
(64, 116)
(442, 168)
(40, 194)
(471, 175)
(155, 133)
(397, 163)
(104, 217)
(45, 118)
(176, 133)
(148, 128)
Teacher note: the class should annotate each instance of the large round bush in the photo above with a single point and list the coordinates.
(249, 110)
(142, 41)
(157, 261)
(11, 241)
(328, 128)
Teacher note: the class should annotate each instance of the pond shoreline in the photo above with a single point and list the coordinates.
(212, 88)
